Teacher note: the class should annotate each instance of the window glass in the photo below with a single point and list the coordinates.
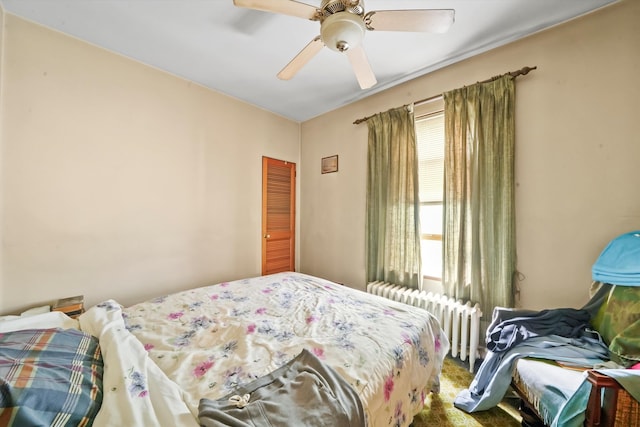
(431, 219)
(430, 141)
(431, 258)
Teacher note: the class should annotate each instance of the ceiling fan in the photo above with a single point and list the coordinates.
(343, 24)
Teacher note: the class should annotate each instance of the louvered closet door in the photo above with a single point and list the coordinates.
(278, 215)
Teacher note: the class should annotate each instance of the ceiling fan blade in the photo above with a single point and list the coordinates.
(418, 20)
(299, 61)
(285, 7)
(361, 67)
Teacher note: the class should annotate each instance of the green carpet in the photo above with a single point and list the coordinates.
(439, 410)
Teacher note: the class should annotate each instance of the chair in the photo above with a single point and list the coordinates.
(609, 404)
(618, 407)
(617, 319)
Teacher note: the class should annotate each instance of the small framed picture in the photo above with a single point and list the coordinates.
(330, 164)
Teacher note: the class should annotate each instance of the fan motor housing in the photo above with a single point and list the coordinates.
(330, 7)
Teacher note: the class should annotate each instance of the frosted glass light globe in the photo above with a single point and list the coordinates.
(342, 31)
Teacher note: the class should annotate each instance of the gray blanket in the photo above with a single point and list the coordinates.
(580, 347)
(494, 375)
(565, 322)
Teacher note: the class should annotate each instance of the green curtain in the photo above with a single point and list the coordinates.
(479, 251)
(393, 205)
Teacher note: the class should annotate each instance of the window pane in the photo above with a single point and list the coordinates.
(431, 258)
(430, 139)
(431, 219)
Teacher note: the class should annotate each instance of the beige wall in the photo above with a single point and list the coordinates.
(121, 181)
(577, 154)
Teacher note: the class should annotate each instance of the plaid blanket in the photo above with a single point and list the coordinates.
(49, 377)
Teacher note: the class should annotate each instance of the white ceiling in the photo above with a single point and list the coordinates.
(239, 51)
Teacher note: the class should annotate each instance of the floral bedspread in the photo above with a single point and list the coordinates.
(135, 391)
(209, 340)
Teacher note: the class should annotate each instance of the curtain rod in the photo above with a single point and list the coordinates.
(521, 72)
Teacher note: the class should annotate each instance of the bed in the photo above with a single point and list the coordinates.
(163, 355)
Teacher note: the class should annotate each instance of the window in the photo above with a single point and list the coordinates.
(430, 142)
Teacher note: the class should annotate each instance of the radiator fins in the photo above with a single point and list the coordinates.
(459, 320)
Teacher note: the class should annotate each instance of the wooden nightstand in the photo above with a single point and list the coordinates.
(71, 306)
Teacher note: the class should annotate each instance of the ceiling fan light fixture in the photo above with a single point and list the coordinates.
(342, 31)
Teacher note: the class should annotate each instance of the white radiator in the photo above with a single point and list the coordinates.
(460, 321)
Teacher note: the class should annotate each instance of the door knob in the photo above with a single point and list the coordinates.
(266, 236)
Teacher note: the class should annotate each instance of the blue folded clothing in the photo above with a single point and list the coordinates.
(619, 262)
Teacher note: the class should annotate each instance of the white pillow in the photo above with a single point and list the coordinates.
(53, 319)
